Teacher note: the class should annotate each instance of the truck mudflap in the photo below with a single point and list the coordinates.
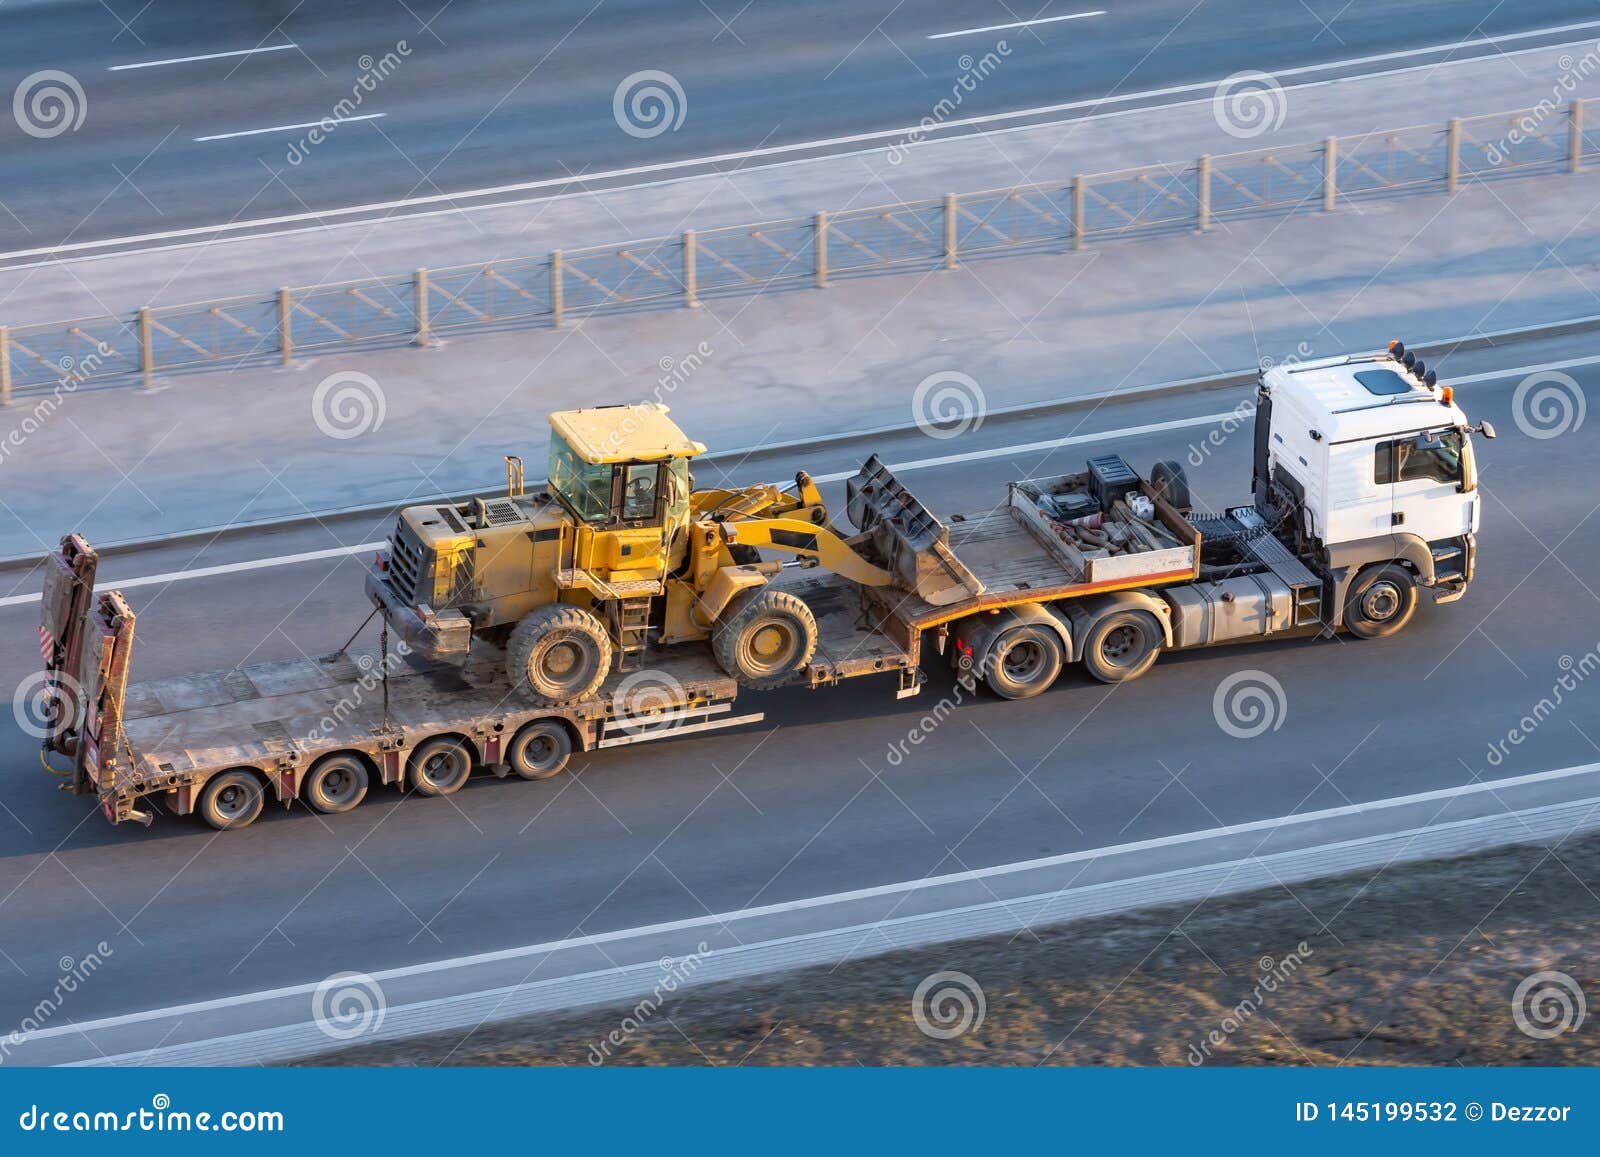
(913, 544)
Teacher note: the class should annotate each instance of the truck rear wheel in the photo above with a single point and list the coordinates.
(232, 800)
(1121, 646)
(765, 638)
(1023, 662)
(1381, 601)
(336, 783)
(440, 766)
(558, 655)
(540, 750)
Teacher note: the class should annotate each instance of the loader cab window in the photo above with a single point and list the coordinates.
(1430, 457)
(639, 491)
(584, 486)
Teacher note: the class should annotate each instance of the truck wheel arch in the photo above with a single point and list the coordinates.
(979, 632)
(1348, 560)
(1084, 613)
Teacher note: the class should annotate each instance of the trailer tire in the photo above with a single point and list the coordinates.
(559, 654)
(336, 783)
(1122, 646)
(440, 766)
(232, 799)
(540, 750)
(765, 638)
(1169, 481)
(1023, 662)
(1380, 602)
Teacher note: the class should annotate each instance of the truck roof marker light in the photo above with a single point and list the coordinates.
(1397, 350)
(1431, 379)
(1410, 359)
(1420, 370)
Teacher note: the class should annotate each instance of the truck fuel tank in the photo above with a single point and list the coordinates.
(1236, 608)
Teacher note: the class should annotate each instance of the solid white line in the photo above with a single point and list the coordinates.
(904, 886)
(192, 59)
(371, 116)
(321, 216)
(1570, 363)
(1017, 24)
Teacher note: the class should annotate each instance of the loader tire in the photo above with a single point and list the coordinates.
(765, 638)
(558, 655)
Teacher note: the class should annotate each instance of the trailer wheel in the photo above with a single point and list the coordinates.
(1381, 601)
(440, 766)
(1168, 480)
(232, 800)
(765, 638)
(540, 750)
(1121, 646)
(1023, 662)
(336, 783)
(559, 654)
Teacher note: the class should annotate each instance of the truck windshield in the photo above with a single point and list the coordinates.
(585, 486)
(1440, 461)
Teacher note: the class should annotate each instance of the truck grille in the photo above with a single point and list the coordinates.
(408, 563)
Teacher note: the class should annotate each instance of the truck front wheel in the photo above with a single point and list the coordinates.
(765, 638)
(1381, 601)
(558, 655)
(1023, 662)
(1121, 646)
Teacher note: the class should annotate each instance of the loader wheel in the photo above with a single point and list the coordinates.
(540, 750)
(1121, 646)
(1024, 661)
(440, 766)
(559, 655)
(336, 784)
(232, 800)
(1168, 480)
(765, 638)
(1381, 601)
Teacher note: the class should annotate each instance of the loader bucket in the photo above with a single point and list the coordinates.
(913, 545)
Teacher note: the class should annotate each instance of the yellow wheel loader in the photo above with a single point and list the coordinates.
(619, 548)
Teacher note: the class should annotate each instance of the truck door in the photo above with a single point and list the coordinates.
(1359, 498)
(1427, 499)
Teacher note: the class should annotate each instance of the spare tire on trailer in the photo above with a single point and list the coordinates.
(558, 654)
(764, 638)
(1168, 480)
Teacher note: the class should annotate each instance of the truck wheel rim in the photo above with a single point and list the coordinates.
(339, 784)
(440, 768)
(1120, 644)
(233, 800)
(538, 752)
(1023, 662)
(1381, 602)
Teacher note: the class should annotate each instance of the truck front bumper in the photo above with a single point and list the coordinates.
(437, 636)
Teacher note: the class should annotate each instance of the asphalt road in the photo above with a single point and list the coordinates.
(809, 802)
(489, 94)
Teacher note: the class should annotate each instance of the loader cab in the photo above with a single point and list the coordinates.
(621, 466)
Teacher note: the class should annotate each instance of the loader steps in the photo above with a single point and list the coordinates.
(631, 627)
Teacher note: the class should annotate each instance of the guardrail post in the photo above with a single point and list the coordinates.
(147, 360)
(819, 229)
(950, 231)
(285, 325)
(1203, 192)
(1330, 173)
(1575, 136)
(5, 366)
(558, 307)
(1452, 154)
(1077, 212)
(423, 326)
(691, 287)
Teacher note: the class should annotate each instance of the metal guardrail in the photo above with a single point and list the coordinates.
(678, 271)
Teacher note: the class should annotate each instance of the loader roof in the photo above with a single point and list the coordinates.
(641, 432)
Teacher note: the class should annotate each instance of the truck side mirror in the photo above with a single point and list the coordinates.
(1486, 430)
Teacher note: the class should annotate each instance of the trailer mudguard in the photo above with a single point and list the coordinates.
(977, 633)
(1085, 612)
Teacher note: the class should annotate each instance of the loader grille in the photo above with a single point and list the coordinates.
(408, 563)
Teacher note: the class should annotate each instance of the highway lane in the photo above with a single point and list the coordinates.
(810, 802)
(491, 94)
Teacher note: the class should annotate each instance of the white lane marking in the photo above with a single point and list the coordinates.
(320, 216)
(221, 568)
(904, 886)
(192, 59)
(371, 116)
(1570, 363)
(1017, 24)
